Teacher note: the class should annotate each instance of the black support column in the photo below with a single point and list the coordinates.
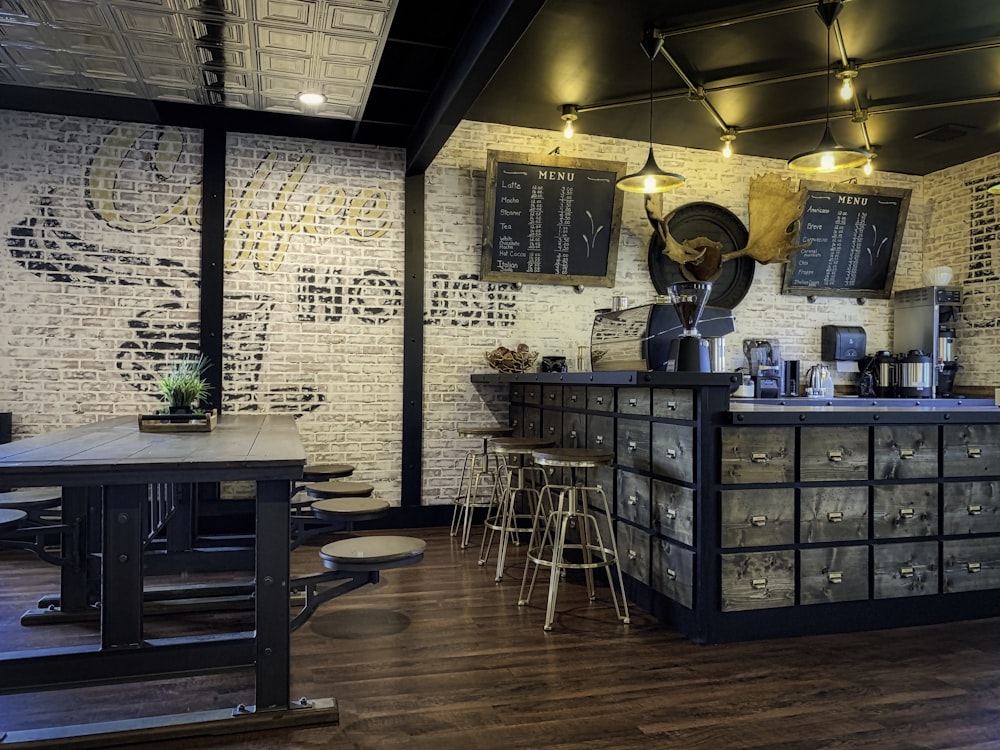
(213, 244)
(413, 343)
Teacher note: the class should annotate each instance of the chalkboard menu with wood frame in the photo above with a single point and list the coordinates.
(551, 220)
(856, 231)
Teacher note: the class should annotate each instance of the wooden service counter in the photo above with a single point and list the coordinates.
(741, 519)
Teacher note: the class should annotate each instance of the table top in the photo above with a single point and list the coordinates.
(114, 451)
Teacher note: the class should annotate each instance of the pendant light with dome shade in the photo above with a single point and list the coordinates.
(828, 156)
(650, 179)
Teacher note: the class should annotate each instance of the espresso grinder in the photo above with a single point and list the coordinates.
(689, 352)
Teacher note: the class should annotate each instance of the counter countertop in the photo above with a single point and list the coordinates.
(614, 377)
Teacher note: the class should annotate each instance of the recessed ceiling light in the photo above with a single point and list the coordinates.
(311, 98)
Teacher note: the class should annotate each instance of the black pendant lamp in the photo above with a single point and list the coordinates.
(828, 156)
(650, 179)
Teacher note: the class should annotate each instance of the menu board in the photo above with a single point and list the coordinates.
(551, 220)
(856, 231)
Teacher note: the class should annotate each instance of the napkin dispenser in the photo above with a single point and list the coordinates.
(843, 343)
(639, 338)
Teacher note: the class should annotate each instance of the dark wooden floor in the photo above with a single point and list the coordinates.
(437, 656)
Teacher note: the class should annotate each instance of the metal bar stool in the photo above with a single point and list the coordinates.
(504, 514)
(34, 501)
(548, 545)
(476, 470)
(306, 523)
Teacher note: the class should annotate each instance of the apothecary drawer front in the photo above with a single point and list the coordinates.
(633, 552)
(757, 580)
(833, 574)
(552, 395)
(516, 420)
(601, 432)
(574, 430)
(603, 478)
(532, 421)
(673, 511)
(971, 564)
(971, 450)
(552, 425)
(753, 455)
(673, 451)
(831, 453)
(906, 569)
(971, 508)
(634, 401)
(575, 397)
(517, 393)
(633, 444)
(758, 518)
(903, 510)
(675, 404)
(600, 398)
(533, 393)
(673, 572)
(633, 498)
(833, 514)
(906, 451)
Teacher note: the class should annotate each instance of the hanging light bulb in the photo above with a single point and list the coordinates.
(650, 179)
(727, 138)
(828, 156)
(847, 76)
(569, 116)
(868, 168)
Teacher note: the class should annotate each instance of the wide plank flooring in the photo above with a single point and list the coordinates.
(438, 656)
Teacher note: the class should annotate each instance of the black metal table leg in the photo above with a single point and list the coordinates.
(273, 571)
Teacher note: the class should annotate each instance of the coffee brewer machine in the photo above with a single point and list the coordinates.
(689, 352)
(925, 320)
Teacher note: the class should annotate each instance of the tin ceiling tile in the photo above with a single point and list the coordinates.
(228, 33)
(41, 60)
(344, 71)
(72, 15)
(292, 12)
(161, 49)
(106, 68)
(283, 64)
(13, 10)
(167, 74)
(357, 20)
(349, 47)
(181, 93)
(343, 94)
(284, 40)
(136, 21)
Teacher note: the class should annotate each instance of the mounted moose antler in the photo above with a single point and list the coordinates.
(775, 212)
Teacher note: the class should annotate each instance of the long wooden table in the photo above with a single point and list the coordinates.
(107, 470)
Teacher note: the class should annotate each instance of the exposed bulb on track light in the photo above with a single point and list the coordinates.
(727, 138)
(846, 89)
(868, 168)
(569, 116)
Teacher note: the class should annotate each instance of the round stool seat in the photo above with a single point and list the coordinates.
(10, 518)
(339, 488)
(471, 431)
(516, 446)
(324, 472)
(575, 458)
(367, 553)
(31, 498)
(349, 508)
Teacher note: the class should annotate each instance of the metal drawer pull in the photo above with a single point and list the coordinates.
(599, 399)
(632, 555)
(599, 440)
(906, 572)
(835, 576)
(905, 453)
(632, 446)
(671, 453)
(835, 456)
(531, 425)
(974, 567)
(573, 398)
(906, 513)
(671, 513)
(552, 430)
(633, 402)
(671, 574)
(633, 500)
(759, 583)
(760, 458)
(572, 434)
(975, 510)
(671, 406)
(758, 520)
(975, 452)
(835, 516)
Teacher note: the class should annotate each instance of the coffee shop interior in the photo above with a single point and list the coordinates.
(565, 373)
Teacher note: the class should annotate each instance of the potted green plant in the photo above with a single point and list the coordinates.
(183, 386)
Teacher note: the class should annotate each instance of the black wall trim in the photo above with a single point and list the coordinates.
(213, 244)
(413, 343)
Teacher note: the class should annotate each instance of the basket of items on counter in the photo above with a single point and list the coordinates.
(511, 361)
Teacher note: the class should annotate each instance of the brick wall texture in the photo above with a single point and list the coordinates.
(101, 224)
